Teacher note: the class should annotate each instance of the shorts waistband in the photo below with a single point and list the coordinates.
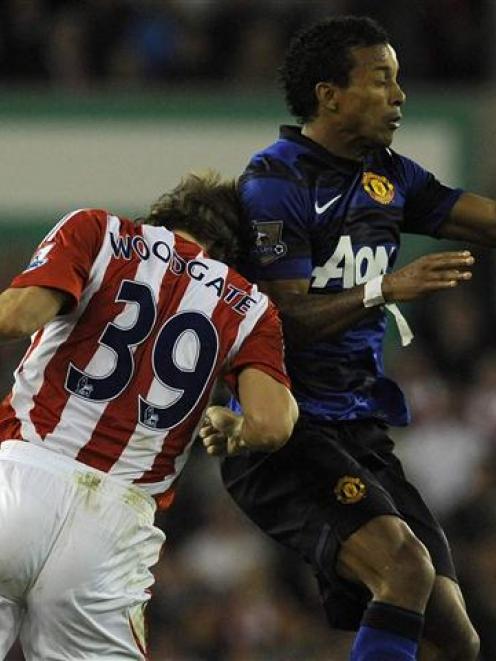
(55, 463)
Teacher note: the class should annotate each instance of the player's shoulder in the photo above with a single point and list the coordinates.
(79, 223)
(395, 164)
(236, 300)
(81, 218)
(89, 226)
(274, 183)
(236, 279)
(279, 162)
(391, 158)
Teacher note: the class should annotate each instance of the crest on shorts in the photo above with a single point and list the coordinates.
(349, 490)
(378, 187)
(269, 245)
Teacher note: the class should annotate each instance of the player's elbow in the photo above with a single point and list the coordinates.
(268, 432)
(24, 310)
(266, 436)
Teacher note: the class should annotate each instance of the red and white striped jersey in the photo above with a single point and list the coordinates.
(121, 379)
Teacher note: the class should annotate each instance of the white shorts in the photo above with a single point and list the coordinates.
(76, 547)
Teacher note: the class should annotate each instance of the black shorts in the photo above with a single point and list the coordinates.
(325, 483)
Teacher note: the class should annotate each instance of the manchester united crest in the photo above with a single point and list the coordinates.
(378, 187)
(350, 490)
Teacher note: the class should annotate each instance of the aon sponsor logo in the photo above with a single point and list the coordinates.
(353, 269)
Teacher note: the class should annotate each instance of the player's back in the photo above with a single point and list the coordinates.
(120, 381)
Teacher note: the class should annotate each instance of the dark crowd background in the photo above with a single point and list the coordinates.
(78, 43)
(224, 592)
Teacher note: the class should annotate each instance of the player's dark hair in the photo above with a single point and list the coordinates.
(209, 209)
(321, 53)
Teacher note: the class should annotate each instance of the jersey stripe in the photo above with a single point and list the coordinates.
(60, 224)
(179, 439)
(104, 455)
(189, 297)
(69, 333)
(33, 378)
(10, 426)
(250, 321)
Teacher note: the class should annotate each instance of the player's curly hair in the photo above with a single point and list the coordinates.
(320, 53)
(208, 208)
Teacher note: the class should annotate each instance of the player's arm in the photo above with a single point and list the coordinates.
(23, 310)
(472, 218)
(56, 276)
(311, 317)
(269, 415)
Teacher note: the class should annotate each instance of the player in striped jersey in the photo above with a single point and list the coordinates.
(131, 324)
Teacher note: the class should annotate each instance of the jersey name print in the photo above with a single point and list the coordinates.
(121, 379)
(340, 222)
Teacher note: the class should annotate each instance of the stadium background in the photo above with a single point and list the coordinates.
(107, 103)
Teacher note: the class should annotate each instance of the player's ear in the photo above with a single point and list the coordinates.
(326, 94)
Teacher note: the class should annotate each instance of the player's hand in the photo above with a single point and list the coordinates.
(442, 270)
(221, 432)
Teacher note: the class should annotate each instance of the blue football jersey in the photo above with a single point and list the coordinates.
(337, 223)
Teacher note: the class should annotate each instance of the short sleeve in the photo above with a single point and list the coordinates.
(277, 209)
(64, 258)
(428, 202)
(263, 349)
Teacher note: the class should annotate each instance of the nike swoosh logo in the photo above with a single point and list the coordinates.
(325, 206)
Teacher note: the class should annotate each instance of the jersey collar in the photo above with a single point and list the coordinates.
(345, 165)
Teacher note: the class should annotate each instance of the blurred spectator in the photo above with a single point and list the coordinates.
(455, 328)
(75, 44)
(480, 404)
(24, 36)
(441, 451)
(472, 530)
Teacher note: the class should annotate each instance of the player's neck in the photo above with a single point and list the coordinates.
(334, 142)
(190, 237)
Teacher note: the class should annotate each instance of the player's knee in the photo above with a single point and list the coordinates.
(389, 559)
(413, 561)
(464, 648)
(411, 567)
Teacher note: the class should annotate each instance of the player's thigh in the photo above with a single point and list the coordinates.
(311, 496)
(447, 624)
(89, 598)
(418, 516)
(31, 503)
(11, 613)
(109, 628)
(385, 551)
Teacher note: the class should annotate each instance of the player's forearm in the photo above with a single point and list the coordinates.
(14, 323)
(227, 433)
(267, 428)
(315, 317)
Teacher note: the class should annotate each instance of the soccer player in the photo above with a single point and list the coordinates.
(329, 200)
(131, 325)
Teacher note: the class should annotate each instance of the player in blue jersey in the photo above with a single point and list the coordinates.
(329, 200)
